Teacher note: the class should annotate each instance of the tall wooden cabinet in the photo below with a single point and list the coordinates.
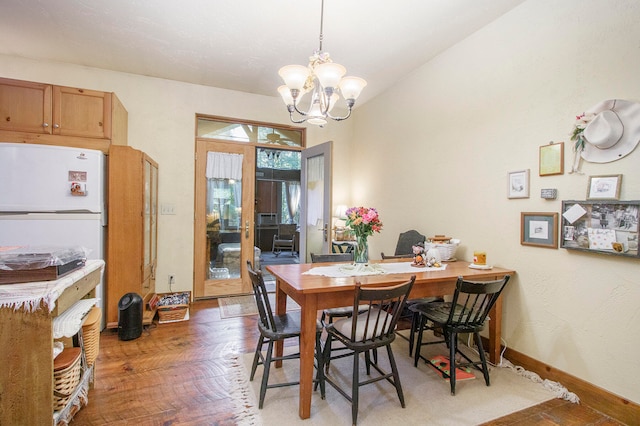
(41, 113)
(132, 229)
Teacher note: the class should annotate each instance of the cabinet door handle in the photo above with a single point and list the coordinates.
(45, 124)
(246, 229)
(56, 126)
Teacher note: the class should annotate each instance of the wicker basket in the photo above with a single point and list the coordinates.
(447, 251)
(91, 335)
(172, 312)
(66, 376)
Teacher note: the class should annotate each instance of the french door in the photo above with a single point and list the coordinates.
(226, 206)
(224, 232)
(315, 224)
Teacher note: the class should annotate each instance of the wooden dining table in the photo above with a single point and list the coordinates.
(318, 292)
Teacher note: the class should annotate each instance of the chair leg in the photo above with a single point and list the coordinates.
(485, 370)
(453, 343)
(416, 354)
(396, 376)
(367, 361)
(327, 352)
(265, 374)
(412, 332)
(256, 357)
(355, 387)
(319, 367)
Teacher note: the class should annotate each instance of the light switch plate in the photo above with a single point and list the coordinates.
(549, 193)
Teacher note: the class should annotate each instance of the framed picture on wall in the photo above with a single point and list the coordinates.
(552, 159)
(539, 229)
(608, 227)
(518, 182)
(604, 187)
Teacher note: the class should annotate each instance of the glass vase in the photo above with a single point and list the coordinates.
(361, 250)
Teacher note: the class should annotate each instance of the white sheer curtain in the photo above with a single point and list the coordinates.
(224, 196)
(222, 165)
(315, 190)
(293, 198)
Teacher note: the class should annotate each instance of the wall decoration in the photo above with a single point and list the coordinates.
(552, 159)
(604, 187)
(609, 227)
(549, 193)
(539, 229)
(518, 184)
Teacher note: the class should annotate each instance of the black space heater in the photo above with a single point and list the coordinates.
(130, 316)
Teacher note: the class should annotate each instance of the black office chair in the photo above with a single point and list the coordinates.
(274, 328)
(367, 331)
(466, 313)
(399, 256)
(406, 241)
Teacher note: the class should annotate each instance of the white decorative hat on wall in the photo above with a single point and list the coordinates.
(614, 131)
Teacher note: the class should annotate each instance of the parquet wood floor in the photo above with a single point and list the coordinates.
(177, 374)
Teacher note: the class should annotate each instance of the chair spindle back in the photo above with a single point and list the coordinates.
(474, 300)
(265, 313)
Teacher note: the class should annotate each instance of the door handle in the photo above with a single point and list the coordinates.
(246, 229)
(325, 231)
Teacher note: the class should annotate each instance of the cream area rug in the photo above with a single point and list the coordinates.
(241, 306)
(427, 395)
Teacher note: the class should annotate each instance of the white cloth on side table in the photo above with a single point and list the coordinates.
(29, 296)
(69, 322)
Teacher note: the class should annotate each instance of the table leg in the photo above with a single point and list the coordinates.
(495, 331)
(281, 309)
(307, 353)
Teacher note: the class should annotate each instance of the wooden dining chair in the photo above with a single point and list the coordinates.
(275, 328)
(466, 313)
(364, 332)
(329, 314)
(407, 314)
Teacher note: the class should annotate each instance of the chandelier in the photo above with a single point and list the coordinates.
(325, 80)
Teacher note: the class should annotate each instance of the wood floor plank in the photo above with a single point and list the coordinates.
(179, 374)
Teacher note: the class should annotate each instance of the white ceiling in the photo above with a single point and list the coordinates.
(241, 44)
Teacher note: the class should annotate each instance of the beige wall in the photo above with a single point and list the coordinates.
(444, 139)
(162, 123)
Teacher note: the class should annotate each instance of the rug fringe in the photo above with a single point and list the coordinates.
(241, 395)
(556, 388)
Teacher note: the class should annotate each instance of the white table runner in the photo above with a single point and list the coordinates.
(341, 270)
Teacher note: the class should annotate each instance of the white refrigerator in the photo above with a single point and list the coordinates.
(53, 196)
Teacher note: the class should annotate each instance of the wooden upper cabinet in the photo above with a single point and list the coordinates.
(57, 110)
(81, 112)
(25, 106)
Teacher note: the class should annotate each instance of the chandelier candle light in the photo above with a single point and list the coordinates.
(364, 222)
(325, 80)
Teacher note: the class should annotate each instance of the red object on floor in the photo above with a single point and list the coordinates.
(441, 363)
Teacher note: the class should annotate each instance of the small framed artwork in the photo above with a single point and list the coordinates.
(552, 159)
(518, 184)
(604, 187)
(539, 229)
(607, 227)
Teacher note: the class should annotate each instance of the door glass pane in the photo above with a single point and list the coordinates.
(154, 212)
(243, 132)
(224, 223)
(315, 204)
(147, 213)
